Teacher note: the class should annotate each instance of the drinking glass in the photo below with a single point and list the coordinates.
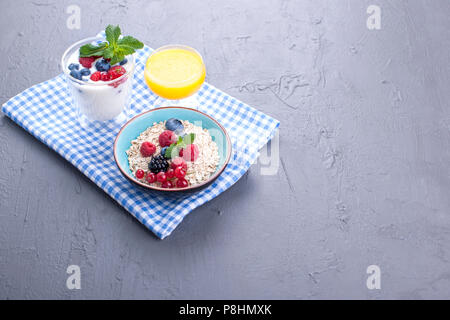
(102, 101)
(175, 73)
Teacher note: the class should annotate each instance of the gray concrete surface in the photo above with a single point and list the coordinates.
(363, 178)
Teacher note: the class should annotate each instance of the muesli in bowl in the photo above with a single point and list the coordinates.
(173, 154)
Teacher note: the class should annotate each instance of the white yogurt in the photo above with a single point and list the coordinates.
(98, 100)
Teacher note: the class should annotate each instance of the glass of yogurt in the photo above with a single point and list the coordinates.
(98, 100)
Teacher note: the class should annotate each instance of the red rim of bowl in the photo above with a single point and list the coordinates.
(211, 179)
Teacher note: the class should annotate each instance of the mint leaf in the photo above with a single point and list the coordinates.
(89, 50)
(112, 34)
(171, 150)
(108, 53)
(125, 50)
(115, 49)
(117, 58)
(129, 41)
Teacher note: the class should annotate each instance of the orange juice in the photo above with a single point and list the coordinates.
(175, 72)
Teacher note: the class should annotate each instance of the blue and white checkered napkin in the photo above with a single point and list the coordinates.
(45, 110)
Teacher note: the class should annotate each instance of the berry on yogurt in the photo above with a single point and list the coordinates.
(87, 61)
(116, 72)
(102, 65)
(85, 72)
(76, 74)
(74, 66)
(105, 76)
(96, 76)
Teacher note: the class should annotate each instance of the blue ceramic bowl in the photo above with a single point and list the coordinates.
(133, 128)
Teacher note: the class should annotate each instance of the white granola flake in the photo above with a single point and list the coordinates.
(198, 171)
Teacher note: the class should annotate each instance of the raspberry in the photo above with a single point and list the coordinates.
(190, 153)
(116, 72)
(147, 149)
(87, 61)
(96, 76)
(167, 138)
(178, 162)
(105, 76)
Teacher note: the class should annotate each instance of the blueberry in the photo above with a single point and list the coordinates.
(174, 125)
(85, 72)
(76, 74)
(102, 65)
(124, 61)
(163, 150)
(74, 66)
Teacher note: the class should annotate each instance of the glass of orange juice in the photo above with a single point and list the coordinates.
(175, 73)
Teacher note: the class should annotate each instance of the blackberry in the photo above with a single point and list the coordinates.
(158, 164)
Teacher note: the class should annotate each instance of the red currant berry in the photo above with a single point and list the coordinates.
(151, 177)
(182, 183)
(180, 173)
(170, 173)
(140, 174)
(161, 177)
(167, 184)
